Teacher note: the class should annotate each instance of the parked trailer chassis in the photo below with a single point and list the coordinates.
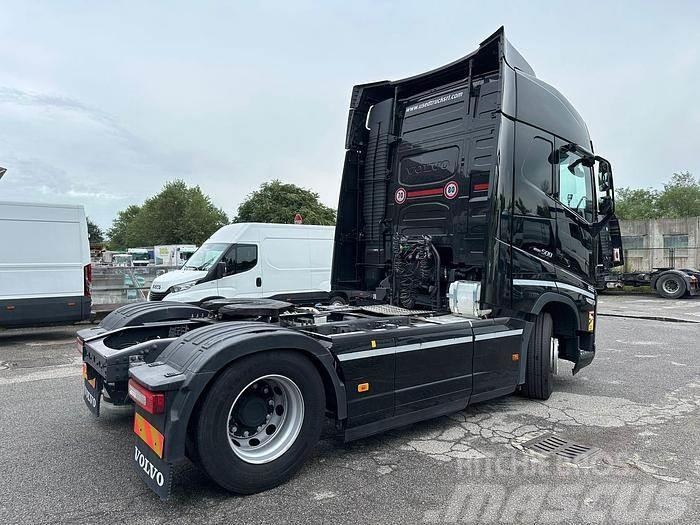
(669, 283)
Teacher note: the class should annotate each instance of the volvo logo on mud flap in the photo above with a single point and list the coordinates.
(89, 397)
(148, 467)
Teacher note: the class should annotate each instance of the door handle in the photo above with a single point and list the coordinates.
(258, 282)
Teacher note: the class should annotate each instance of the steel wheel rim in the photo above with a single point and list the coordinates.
(670, 286)
(554, 355)
(257, 437)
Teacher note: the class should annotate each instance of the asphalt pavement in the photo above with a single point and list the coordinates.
(637, 405)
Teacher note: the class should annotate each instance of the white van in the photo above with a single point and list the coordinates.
(284, 261)
(45, 271)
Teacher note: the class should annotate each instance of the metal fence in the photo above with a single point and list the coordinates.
(646, 259)
(123, 284)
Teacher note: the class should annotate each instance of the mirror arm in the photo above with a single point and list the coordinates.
(598, 226)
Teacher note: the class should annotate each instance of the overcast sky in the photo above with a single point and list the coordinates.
(102, 102)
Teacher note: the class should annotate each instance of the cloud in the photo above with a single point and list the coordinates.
(59, 149)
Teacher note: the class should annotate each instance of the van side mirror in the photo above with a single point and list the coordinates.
(221, 269)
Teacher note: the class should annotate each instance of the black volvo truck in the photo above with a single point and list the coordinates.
(466, 245)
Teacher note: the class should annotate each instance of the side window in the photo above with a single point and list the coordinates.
(533, 170)
(575, 186)
(246, 257)
(675, 240)
(536, 168)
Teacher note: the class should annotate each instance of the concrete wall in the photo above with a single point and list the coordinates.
(653, 254)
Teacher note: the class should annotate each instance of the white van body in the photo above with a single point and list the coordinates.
(44, 265)
(173, 254)
(285, 261)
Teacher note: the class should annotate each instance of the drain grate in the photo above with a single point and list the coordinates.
(553, 445)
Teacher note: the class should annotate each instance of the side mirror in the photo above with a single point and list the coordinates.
(606, 206)
(220, 269)
(606, 200)
(604, 174)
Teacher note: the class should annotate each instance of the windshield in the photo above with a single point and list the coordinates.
(140, 256)
(206, 257)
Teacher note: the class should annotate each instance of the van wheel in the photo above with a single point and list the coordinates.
(337, 300)
(542, 359)
(671, 286)
(260, 420)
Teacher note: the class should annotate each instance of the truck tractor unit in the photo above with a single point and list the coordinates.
(466, 248)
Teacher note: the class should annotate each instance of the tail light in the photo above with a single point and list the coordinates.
(87, 273)
(151, 402)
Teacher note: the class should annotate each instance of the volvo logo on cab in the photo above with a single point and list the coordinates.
(148, 467)
(429, 167)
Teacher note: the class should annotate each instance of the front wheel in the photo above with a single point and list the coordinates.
(542, 359)
(337, 300)
(260, 420)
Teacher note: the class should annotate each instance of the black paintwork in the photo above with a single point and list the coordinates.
(487, 125)
(464, 154)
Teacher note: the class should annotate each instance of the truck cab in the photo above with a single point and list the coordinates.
(492, 167)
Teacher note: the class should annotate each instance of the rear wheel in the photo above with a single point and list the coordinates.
(260, 421)
(542, 359)
(671, 286)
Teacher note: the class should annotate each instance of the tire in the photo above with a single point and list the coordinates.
(539, 373)
(337, 300)
(230, 459)
(671, 286)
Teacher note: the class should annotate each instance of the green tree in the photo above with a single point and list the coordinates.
(119, 232)
(636, 203)
(178, 214)
(680, 197)
(94, 232)
(278, 202)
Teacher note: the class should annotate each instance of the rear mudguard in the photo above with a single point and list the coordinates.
(144, 321)
(150, 312)
(188, 365)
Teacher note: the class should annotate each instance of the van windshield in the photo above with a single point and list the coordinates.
(206, 257)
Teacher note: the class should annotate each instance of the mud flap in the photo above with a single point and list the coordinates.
(584, 359)
(92, 389)
(155, 472)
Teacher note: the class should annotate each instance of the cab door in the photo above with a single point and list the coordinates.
(242, 274)
(576, 212)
